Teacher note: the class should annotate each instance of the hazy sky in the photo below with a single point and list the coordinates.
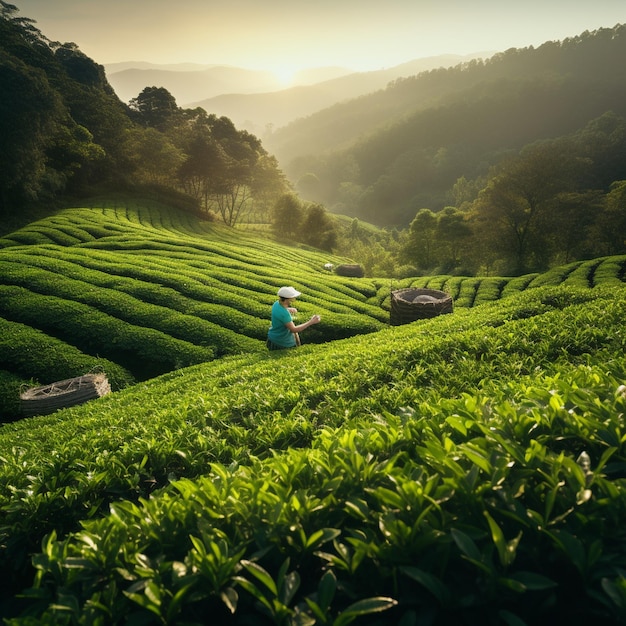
(286, 35)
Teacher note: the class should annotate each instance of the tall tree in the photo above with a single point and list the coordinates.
(157, 159)
(155, 107)
(287, 215)
(514, 207)
(204, 159)
(611, 224)
(421, 239)
(573, 215)
(268, 184)
(317, 228)
(452, 232)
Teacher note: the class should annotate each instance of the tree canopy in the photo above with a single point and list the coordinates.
(405, 147)
(63, 131)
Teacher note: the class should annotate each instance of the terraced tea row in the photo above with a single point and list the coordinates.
(372, 458)
(135, 285)
(468, 292)
(151, 289)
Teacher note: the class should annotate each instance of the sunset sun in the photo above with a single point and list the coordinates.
(285, 74)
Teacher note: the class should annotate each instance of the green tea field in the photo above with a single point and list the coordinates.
(139, 290)
(466, 469)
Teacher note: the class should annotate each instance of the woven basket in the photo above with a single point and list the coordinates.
(352, 270)
(408, 305)
(61, 394)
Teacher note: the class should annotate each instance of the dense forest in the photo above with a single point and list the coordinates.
(64, 132)
(459, 120)
(466, 137)
(507, 165)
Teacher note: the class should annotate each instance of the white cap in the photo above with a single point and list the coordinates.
(288, 292)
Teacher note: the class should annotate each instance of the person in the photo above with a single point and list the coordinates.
(284, 332)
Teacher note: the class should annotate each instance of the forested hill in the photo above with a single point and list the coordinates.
(64, 133)
(384, 155)
(60, 120)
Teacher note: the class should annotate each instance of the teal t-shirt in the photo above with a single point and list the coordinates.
(278, 332)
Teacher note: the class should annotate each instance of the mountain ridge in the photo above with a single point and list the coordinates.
(254, 99)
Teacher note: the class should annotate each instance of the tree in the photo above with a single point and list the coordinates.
(317, 228)
(267, 185)
(227, 169)
(157, 159)
(204, 161)
(452, 232)
(611, 224)
(513, 210)
(574, 215)
(71, 151)
(464, 192)
(420, 242)
(230, 189)
(155, 107)
(287, 215)
(244, 173)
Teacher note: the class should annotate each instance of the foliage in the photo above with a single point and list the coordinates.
(424, 469)
(535, 211)
(137, 289)
(65, 132)
(32, 355)
(141, 289)
(382, 156)
(305, 222)
(286, 217)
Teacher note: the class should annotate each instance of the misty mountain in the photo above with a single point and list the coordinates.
(190, 85)
(261, 111)
(112, 68)
(254, 99)
(189, 82)
(386, 154)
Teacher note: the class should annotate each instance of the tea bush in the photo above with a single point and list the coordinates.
(190, 280)
(30, 352)
(11, 385)
(463, 376)
(468, 510)
(463, 469)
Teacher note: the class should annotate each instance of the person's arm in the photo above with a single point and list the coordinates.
(300, 327)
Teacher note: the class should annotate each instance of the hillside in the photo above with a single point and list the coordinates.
(405, 146)
(261, 112)
(427, 469)
(136, 289)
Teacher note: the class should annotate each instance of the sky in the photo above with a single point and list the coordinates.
(284, 36)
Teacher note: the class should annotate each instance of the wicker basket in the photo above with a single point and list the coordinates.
(64, 393)
(408, 305)
(352, 270)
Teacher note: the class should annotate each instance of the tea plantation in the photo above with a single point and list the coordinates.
(467, 469)
(137, 290)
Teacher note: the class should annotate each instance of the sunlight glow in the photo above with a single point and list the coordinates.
(284, 75)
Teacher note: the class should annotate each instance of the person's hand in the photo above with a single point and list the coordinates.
(292, 310)
(316, 319)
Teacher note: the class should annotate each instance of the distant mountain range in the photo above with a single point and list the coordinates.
(257, 100)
